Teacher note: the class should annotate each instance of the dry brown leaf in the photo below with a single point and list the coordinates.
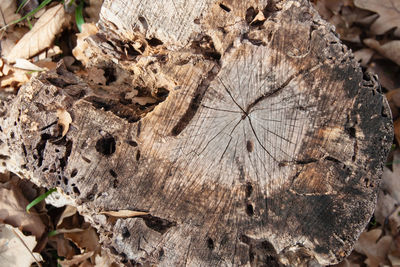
(394, 260)
(8, 43)
(25, 64)
(347, 263)
(390, 179)
(389, 14)
(86, 263)
(384, 207)
(46, 64)
(12, 210)
(5, 177)
(7, 12)
(394, 222)
(68, 212)
(80, 50)
(7, 69)
(394, 254)
(41, 36)
(364, 56)
(77, 259)
(394, 97)
(375, 248)
(66, 231)
(51, 52)
(13, 77)
(124, 213)
(64, 247)
(86, 240)
(64, 119)
(387, 71)
(390, 50)
(16, 248)
(326, 8)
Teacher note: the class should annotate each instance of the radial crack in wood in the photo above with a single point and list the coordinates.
(262, 142)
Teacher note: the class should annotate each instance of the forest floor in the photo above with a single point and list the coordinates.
(46, 31)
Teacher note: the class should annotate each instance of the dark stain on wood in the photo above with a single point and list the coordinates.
(250, 146)
(195, 102)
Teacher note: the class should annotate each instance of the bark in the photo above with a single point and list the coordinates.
(264, 144)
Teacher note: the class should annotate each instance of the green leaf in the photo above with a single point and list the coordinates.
(21, 6)
(39, 199)
(29, 23)
(79, 16)
(52, 233)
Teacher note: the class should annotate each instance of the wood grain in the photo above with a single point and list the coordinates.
(267, 151)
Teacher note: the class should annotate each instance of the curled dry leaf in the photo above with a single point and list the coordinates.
(347, 263)
(387, 71)
(326, 8)
(390, 50)
(66, 231)
(16, 248)
(394, 222)
(24, 64)
(394, 96)
(12, 210)
(64, 247)
(384, 207)
(49, 53)
(11, 38)
(7, 12)
(124, 213)
(390, 179)
(41, 36)
(375, 247)
(68, 212)
(86, 239)
(76, 260)
(389, 14)
(13, 77)
(363, 56)
(394, 260)
(64, 119)
(5, 177)
(394, 255)
(46, 64)
(81, 51)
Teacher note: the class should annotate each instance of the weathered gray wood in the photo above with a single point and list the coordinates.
(268, 149)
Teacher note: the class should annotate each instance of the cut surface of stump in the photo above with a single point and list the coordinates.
(263, 142)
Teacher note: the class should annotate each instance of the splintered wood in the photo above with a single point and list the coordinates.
(260, 141)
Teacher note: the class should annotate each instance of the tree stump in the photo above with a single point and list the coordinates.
(263, 143)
